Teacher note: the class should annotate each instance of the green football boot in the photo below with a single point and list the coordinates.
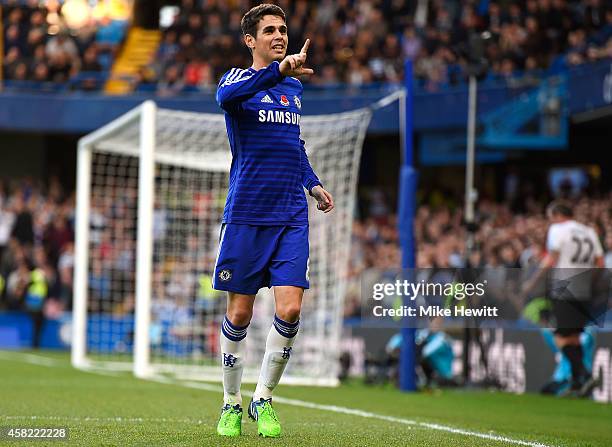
(230, 422)
(267, 422)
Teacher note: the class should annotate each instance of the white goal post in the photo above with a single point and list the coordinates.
(151, 187)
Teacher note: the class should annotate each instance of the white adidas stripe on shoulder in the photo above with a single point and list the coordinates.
(233, 74)
(222, 81)
(238, 77)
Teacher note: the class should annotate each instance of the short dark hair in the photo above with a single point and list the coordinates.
(254, 15)
(558, 207)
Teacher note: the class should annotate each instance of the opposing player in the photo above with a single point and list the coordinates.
(264, 235)
(573, 249)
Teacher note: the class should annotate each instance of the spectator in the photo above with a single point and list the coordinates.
(199, 73)
(7, 219)
(60, 67)
(23, 230)
(172, 83)
(39, 56)
(17, 283)
(37, 21)
(90, 60)
(36, 37)
(168, 48)
(20, 73)
(41, 73)
(57, 236)
(62, 44)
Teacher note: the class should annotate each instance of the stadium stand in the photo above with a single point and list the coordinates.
(355, 43)
(37, 253)
(507, 236)
(364, 42)
(44, 49)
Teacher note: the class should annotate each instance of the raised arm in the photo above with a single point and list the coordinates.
(237, 85)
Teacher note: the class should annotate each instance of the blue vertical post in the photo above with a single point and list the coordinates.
(406, 211)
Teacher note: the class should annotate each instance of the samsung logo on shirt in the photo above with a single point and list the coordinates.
(278, 116)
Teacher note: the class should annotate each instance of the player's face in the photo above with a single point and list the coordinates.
(272, 39)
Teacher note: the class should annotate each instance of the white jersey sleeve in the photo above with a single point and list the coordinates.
(553, 239)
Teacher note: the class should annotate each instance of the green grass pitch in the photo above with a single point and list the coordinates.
(119, 410)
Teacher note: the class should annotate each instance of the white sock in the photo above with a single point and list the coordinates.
(278, 350)
(233, 341)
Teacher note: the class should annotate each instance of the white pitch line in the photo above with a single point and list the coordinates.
(361, 413)
(45, 361)
(31, 358)
(100, 419)
(126, 419)
(40, 360)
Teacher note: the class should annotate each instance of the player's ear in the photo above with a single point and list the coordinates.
(249, 40)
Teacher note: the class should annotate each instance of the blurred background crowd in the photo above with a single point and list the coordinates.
(362, 42)
(355, 42)
(47, 46)
(509, 234)
(37, 246)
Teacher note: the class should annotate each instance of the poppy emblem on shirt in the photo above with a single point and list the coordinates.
(284, 101)
(297, 102)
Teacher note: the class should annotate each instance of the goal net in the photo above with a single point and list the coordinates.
(150, 196)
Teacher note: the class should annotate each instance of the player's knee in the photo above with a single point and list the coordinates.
(240, 317)
(290, 313)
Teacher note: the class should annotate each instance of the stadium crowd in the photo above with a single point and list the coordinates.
(353, 42)
(363, 42)
(44, 50)
(37, 247)
(510, 234)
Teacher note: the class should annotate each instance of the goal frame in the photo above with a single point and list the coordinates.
(145, 116)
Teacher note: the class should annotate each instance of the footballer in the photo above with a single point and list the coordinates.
(573, 249)
(264, 233)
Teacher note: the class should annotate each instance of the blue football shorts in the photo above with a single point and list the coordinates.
(253, 256)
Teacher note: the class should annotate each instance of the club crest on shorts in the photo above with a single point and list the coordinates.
(284, 101)
(297, 102)
(225, 275)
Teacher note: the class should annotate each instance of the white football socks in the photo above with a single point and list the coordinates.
(278, 350)
(233, 341)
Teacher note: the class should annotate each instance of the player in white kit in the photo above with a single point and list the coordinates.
(573, 250)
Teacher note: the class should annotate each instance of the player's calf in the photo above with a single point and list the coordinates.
(279, 345)
(232, 354)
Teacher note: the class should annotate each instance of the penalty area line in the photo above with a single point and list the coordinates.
(361, 413)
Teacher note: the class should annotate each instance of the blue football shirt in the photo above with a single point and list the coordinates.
(270, 168)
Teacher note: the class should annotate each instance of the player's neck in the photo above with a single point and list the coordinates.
(258, 63)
